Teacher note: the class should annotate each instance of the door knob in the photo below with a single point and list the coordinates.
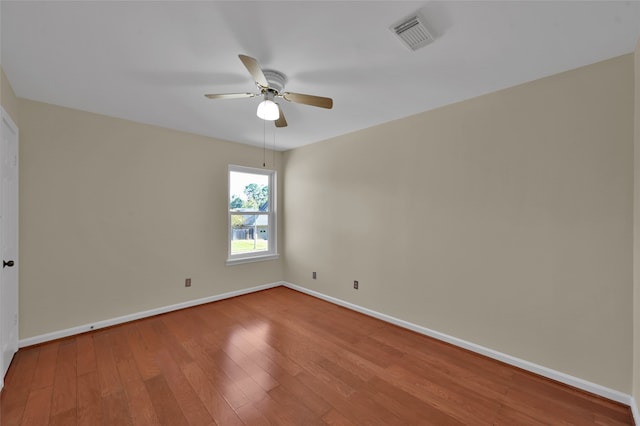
(9, 263)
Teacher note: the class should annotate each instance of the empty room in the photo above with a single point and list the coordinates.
(320, 212)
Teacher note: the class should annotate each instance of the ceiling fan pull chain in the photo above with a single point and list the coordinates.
(264, 143)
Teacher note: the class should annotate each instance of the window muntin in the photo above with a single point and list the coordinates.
(252, 220)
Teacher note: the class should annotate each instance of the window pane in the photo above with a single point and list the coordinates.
(248, 192)
(249, 233)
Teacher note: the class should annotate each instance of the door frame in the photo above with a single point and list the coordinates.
(6, 118)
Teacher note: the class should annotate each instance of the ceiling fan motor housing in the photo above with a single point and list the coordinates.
(276, 80)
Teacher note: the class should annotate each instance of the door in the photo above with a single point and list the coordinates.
(8, 242)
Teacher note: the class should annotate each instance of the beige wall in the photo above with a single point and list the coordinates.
(8, 98)
(636, 239)
(115, 215)
(505, 220)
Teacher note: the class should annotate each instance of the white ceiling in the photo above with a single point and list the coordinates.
(152, 62)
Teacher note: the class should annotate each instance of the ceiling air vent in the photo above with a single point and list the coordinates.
(413, 32)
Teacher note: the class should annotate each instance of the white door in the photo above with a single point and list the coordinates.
(8, 242)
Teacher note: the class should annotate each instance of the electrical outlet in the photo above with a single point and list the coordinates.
(187, 282)
(314, 275)
(355, 285)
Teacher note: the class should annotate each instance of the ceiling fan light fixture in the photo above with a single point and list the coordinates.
(268, 110)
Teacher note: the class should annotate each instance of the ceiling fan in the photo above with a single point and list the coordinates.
(270, 83)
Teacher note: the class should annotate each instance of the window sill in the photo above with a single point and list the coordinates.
(260, 258)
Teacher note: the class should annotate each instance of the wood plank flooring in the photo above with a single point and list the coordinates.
(279, 357)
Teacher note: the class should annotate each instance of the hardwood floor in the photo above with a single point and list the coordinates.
(279, 357)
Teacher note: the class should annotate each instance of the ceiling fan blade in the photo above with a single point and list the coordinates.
(231, 95)
(308, 100)
(281, 122)
(254, 69)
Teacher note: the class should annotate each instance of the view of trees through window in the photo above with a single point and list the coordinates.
(255, 196)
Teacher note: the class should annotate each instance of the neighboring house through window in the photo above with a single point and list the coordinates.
(252, 218)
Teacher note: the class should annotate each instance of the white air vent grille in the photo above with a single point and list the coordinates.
(413, 33)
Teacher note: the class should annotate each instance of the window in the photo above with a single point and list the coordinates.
(252, 215)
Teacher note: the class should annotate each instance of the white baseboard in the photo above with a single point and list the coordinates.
(577, 382)
(634, 411)
(132, 317)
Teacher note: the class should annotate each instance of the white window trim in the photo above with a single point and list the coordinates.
(272, 253)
